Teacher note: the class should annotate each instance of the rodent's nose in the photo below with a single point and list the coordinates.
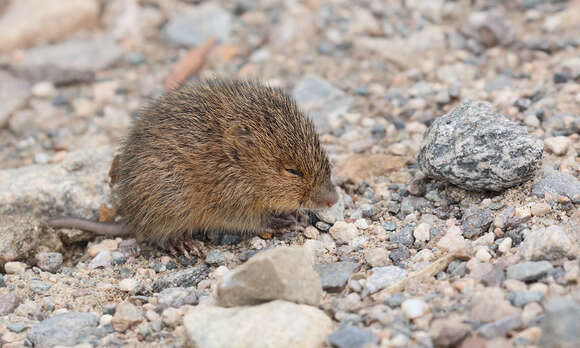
(327, 198)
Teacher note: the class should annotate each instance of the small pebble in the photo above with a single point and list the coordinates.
(39, 286)
(558, 145)
(414, 308)
(14, 267)
(102, 260)
(505, 245)
(49, 262)
(215, 258)
(44, 89)
(422, 232)
(361, 224)
(540, 209)
(343, 231)
(128, 284)
(105, 245)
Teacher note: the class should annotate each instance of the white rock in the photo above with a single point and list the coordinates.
(505, 245)
(128, 284)
(482, 254)
(422, 233)
(382, 277)
(15, 267)
(44, 89)
(558, 145)
(362, 224)
(343, 231)
(549, 243)
(453, 240)
(414, 308)
(540, 209)
(272, 324)
(105, 319)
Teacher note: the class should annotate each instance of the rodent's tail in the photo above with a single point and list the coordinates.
(112, 229)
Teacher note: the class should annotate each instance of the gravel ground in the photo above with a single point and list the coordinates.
(453, 130)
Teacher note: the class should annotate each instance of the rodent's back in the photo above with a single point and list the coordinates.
(217, 156)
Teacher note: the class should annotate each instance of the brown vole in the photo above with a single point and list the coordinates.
(215, 157)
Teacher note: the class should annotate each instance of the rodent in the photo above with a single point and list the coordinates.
(218, 156)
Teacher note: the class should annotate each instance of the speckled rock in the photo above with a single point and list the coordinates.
(273, 324)
(182, 278)
(49, 262)
(551, 243)
(476, 148)
(126, 316)
(65, 329)
(48, 190)
(21, 236)
(8, 303)
(558, 184)
(281, 273)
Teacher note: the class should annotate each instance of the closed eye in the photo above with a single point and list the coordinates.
(294, 171)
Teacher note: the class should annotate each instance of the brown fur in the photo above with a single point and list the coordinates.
(219, 156)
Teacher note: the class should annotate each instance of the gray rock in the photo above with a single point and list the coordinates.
(561, 324)
(529, 270)
(476, 223)
(558, 184)
(16, 327)
(522, 298)
(335, 275)
(49, 262)
(215, 258)
(8, 303)
(399, 254)
(501, 327)
(550, 243)
(38, 286)
(175, 297)
(382, 277)
(56, 189)
(321, 101)
(352, 337)
(2, 282)
(21, 235)
(197, 25)
(65, 329)
(284, 273)
(273, 324)
(476, 148)
(183, 278)
(389, 225)
(75, 54)
(13, 95)
(404, 236)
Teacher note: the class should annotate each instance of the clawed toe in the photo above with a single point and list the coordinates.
(186, 247)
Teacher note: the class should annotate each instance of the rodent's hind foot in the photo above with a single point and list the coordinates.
(283, 221)
(186, 246)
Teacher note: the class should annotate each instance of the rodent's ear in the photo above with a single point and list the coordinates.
(237, 140)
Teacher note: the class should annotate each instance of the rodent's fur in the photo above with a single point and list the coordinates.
(219, 156)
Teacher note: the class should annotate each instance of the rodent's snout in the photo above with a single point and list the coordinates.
(326, 198)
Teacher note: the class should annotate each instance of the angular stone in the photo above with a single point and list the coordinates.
(284, 273)
(382, 277)
(126, 316)
(558, 184)
(273, 324)
(501, 327)
(65, 329)
(321, 101)
(335, 275)
(352, 337)
(476, 223)
(197, 25)
(49, 262)
(175, 297)
(476, 148)
(183, 278)
(529, 270)
(551, 243)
